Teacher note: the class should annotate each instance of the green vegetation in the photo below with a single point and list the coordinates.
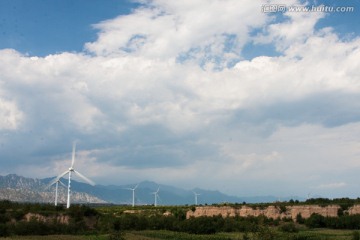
(344, 203)
(44, 221)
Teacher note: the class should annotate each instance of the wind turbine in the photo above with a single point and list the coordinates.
(196, 197)
(56, 188)
(70, 171)
(156, 196)
(133, 194)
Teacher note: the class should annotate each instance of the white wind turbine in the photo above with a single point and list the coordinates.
(196, 197)
(57, 181)
(70, 171)
(156, 195)
(133, 194)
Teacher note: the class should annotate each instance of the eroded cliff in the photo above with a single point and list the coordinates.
(271, 211)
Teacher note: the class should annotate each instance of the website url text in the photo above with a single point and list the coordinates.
(274, 8)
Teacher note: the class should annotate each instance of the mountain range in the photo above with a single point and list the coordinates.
(23, 189)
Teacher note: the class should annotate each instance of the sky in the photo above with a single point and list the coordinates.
(216, 94)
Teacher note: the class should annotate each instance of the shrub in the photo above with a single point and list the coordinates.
(245, 236)
(315, 221)
(266, 233)
(289, 227)
(300, 219)
(200, 225)
(282, 209)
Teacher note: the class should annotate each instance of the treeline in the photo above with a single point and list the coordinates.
(341, 222)
(199, 225)
(344, 203)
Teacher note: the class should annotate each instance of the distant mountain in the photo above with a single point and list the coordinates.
(17, 188)
(21, 189)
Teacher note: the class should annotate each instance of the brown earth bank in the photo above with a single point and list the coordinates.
(63, 219)
(90, 221)
(271, 211)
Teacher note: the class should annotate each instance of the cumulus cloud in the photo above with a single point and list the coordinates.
(165, 90)
(202, 31)
(296, 28)
(11, 116)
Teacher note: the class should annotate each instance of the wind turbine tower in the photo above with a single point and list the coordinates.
(133, 194)
(196, 197)
(56, 189)
(156, 195)
(70, 171)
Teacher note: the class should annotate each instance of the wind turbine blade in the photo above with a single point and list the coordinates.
(61, 175)
(57, 179)
(136, 186)
(85, 178)
(73, 155)
(62, 183)
(52, 182)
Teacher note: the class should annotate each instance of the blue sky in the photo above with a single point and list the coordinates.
(41, 28)
(216, 95)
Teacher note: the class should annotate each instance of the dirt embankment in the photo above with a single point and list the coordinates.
(354, 210)
(63, 219)
(271, 211)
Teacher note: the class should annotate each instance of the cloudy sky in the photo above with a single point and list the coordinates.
(217, 94)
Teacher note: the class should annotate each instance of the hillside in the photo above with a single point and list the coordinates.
(21, 189)
(18, 188)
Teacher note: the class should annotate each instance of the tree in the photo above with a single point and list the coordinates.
(289, 227)
(300, 219)
(315, 221)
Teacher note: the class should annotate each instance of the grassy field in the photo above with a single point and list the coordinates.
(51, 237)
(330, 234)
(318, 234)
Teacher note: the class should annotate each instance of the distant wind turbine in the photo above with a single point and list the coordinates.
(156, 195)
(196, 197)
(56, 188)
(70, 171)
(133, 194)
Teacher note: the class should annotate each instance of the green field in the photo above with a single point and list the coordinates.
(317, 234)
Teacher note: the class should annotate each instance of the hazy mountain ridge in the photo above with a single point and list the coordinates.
(18, 182)
(22, 189)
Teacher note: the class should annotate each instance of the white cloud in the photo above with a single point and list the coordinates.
(10, 116)
(49, 87)
(296, 27)
(139, 109)
(168, 30)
